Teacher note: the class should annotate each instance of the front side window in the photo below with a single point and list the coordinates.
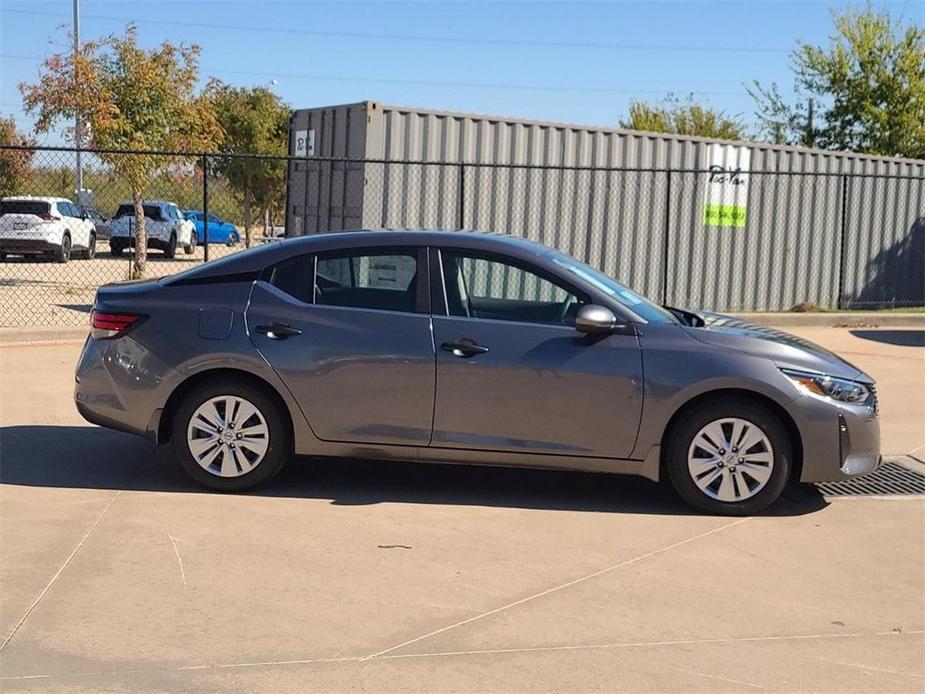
(387, 281)
(494, 289)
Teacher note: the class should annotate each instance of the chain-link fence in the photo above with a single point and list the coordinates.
(830, 240)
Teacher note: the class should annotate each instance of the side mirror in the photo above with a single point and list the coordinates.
(593, 319)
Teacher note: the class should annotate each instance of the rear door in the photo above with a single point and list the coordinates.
(514, 375)
(349, 333)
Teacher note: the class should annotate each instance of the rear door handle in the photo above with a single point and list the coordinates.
(278, 331)
(463, 347)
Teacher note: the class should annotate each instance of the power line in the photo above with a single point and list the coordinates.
(442, 83)
(418, 37)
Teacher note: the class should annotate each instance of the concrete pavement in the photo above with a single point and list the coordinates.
(119, 575)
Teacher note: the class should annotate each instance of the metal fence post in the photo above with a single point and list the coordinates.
(462, 196)
(843, 232)
(667, 239)
(205, 208)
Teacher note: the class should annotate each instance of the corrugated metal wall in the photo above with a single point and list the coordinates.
(833, 229)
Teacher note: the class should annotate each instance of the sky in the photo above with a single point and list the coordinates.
(562, 61)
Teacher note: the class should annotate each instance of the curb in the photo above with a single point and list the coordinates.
(859, 319)
(42, 336)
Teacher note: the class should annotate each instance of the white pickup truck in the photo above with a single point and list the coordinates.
(45, 226)
(165, 225)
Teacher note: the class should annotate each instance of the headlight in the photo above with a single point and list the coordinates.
(840, 389)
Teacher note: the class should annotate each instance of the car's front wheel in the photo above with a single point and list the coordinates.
(729, 457)
(190, 248)
(230, 435)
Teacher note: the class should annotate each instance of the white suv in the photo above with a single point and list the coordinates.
(45, 226)
(165, 226)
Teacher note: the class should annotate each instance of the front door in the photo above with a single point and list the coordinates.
(514, 375)
(349, 333)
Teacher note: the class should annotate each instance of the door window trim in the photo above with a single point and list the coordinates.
(439, 294)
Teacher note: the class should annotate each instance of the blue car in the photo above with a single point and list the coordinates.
(220, 231)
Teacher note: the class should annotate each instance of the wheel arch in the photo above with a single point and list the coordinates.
(225, 373)
(740, 394)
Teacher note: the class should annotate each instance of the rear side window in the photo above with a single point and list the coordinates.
(387, 281)
(35, 207)
(294, 277)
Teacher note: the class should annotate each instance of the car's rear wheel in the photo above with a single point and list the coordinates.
(730, 457)
(170, 250)
(115, 248)
(63, 254)
(230, 435)
(190, 248)
(90, 253)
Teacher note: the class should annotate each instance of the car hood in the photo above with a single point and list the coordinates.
(782, 348)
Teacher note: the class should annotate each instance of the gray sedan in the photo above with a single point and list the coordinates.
(465, 348)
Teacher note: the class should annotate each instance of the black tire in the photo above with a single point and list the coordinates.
(90, 253)
(116, 248)
(190, 248)
(278, 450)
(232, 240)
(683, 435)
(170, 250)
(3, 257)
(63, 254)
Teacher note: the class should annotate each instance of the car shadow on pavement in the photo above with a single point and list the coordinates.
(901, 338)
(82, 457)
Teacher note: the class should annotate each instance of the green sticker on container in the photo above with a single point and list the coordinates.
(724, 215)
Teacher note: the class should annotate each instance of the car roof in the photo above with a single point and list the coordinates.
(149, 202)
(34, 198)
(259, 257)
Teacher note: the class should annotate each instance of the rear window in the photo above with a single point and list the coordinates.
(35, 207)
(151, 211)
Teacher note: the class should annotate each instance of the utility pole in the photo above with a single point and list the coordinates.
(78, 131)
(809, 137)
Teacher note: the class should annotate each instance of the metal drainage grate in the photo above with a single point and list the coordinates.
(889, 479)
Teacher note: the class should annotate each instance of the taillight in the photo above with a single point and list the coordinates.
(107, 325)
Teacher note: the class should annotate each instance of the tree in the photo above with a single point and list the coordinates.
(869, 85)
(15, 164)
(682, 118)
(128, 98)
(254, 121)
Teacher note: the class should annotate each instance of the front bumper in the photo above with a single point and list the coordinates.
(840, 441)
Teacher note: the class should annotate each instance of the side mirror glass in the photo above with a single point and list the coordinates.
(593, 319)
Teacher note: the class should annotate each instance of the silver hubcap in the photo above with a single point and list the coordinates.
(228, 436)
(730, 459)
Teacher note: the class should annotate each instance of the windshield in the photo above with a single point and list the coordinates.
(638, 304)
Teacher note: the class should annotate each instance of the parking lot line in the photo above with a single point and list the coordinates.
(561, 586)
(63, 566)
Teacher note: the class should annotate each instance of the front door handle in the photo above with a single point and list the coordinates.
(463, 347)
(278, 331)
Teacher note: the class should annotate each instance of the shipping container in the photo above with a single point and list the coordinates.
(690, 221)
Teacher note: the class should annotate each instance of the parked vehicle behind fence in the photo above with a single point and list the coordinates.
(53, 227)
(100, 222)
(220, 231)
(465, 348)
(165, 226)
